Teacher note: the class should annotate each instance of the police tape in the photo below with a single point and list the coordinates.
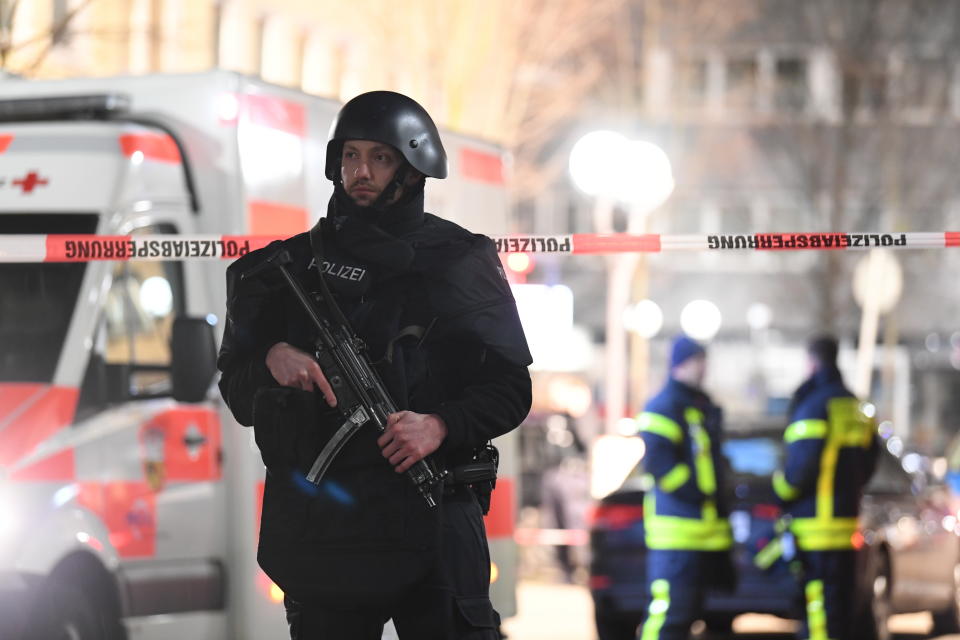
(592, 243)
(90, 247)
(551, 537)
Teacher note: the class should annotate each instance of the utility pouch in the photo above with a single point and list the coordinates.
(285, 428)
(481, 474)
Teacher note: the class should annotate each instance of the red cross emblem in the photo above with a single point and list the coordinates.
(31, 180)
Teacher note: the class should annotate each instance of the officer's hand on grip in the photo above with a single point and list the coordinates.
(411, 437)
(292, 367)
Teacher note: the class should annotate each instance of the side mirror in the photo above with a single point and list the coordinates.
(193, 358)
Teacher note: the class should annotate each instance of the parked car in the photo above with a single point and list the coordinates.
(909, 546)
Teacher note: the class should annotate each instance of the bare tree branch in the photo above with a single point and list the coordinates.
(50, 38)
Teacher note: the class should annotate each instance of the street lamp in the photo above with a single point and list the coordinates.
(608, 165)
(614, 169)
(644, 319)
(594, 159)
(700, 319)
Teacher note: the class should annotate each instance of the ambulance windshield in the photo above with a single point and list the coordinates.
(37, 300)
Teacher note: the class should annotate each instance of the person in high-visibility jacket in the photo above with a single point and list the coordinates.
(831, 450)
(687, 533)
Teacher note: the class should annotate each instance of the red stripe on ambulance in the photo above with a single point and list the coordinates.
(129, 511)
(258, 501)
(275, 219)
(500, 521)
(153, 146)
(275, 113)
(31, 413)
(188, 444)
(59, 467)
(481, 166)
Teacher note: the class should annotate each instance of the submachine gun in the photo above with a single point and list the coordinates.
(361, 395)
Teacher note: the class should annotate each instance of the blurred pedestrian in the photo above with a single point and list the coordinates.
(687, 533)
(831, 450)
(565, 498)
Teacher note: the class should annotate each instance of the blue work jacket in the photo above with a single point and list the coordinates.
(683, 508)
(831, 449)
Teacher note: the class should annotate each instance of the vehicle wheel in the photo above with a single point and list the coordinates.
(63, 613)
(719, 623)
(873, 617)
(612, 625)
(947, 621)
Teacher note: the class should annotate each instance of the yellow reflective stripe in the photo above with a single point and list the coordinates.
(698, 539)
(818, 534)
(805, 430)
(770, 553)
(802, 526)
(709, 510)
(693, 416)
(849, 425)
(827, 478)
(660, 425)
(703, 461)
(784, 490)
(657, 613)
(693, 534)
(675, 478)
(816, 611)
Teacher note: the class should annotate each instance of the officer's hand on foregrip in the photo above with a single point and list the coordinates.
(292, 367)
(411, 437)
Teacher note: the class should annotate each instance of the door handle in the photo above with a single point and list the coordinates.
(194, 440)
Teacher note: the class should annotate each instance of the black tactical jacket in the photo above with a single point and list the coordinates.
(365, 525)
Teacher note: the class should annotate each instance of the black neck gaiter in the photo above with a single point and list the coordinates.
(371, 233)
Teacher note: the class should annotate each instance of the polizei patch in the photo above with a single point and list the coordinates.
(344, 271)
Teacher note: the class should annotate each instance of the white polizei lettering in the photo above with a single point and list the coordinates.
(343, 271)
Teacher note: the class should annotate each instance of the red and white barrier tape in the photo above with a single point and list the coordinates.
(552, 537)
(84, 248)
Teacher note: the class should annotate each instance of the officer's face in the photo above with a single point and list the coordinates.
(698, 369)
(367, 168)
(691, 371)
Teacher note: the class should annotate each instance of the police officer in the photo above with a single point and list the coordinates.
(431, 302)
(831, 449)
(687, 534)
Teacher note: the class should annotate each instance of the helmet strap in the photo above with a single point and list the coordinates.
(397, 183)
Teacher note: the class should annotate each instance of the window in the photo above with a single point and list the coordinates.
(790, 85)
(924, 83)
(741, 84)
(131, 355)
(865, 90)
(38, 300)
(690, 83)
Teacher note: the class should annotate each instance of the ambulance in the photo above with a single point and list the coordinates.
(129, 497)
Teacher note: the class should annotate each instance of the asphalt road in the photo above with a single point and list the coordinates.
(550, 611)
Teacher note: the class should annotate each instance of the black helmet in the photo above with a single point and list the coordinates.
(391, 118)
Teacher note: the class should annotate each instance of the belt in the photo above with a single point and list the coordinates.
(471, 474)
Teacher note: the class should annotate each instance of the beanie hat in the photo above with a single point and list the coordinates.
(824, 348)
(683, 349)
